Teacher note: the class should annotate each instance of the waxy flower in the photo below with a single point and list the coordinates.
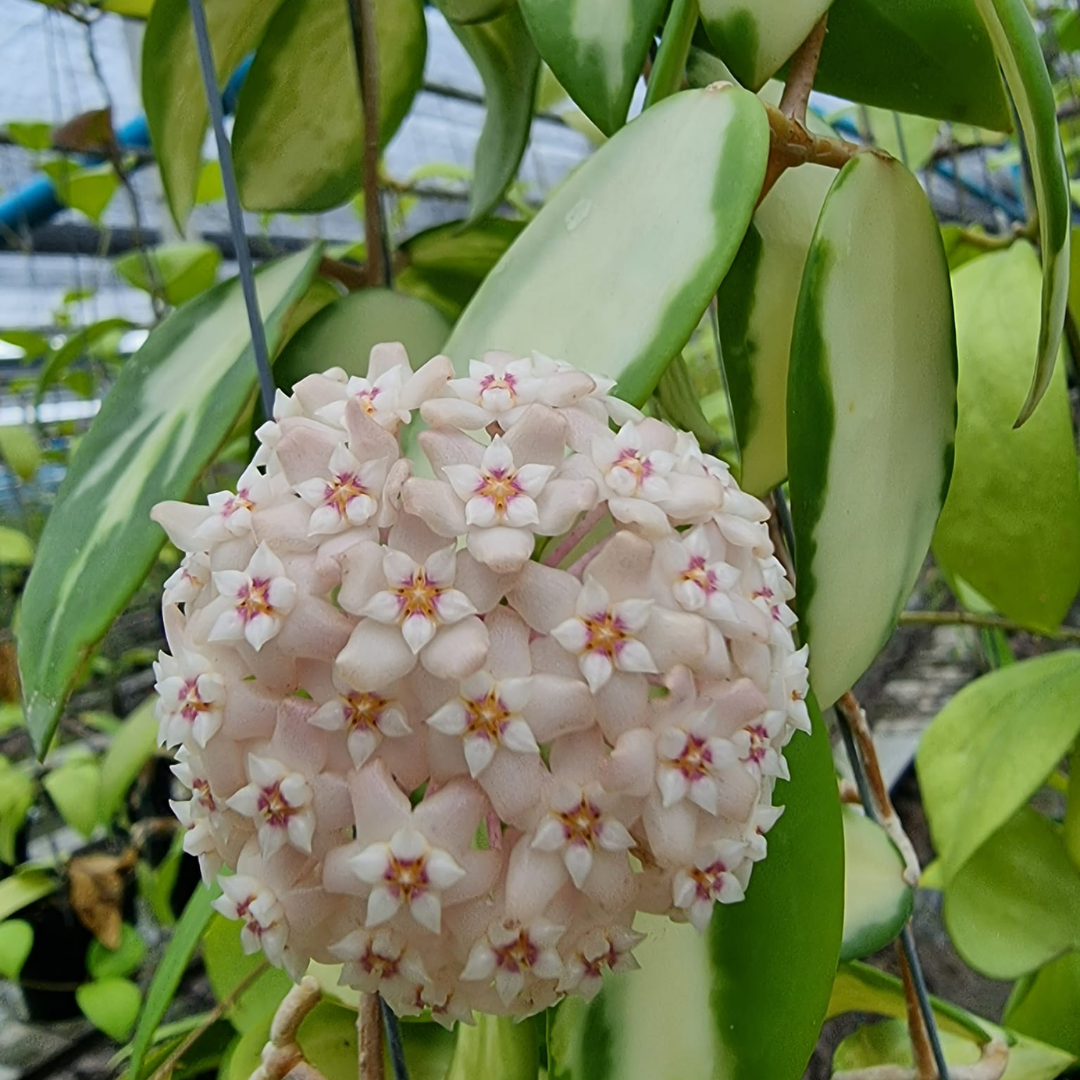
(451, 709)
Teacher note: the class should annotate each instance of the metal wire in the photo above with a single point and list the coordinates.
(232, 202)
(393, 1042)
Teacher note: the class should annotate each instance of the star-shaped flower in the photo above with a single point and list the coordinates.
(714, 877)
(368, 717)
(246, 898)
(691, 758)
(601, 947)
(279, 802)
(348, 496)
(191, 696)
(259, 597)
(510, 952)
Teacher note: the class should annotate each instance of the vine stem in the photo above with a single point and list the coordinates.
(282, 1055)
(666, 74)
(369, 1037)
(575, 535)
(987, 622)
(791, 145)
(362, 18)
(800, 80)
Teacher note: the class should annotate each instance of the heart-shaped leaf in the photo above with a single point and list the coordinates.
(991, 746)
(16, 941)
(75, 788)
(871, 414)
(162, 422)
(596, 51)
(172, 86)
(111, 1005)
(180, 271)
(298, 140)
(755, 310)
(1011, 523)
(509, 64)
(755, 40)
(582, 285)
(1046, 1005)
(1020, 54)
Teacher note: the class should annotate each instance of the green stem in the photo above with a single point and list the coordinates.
(970, 618)
(667, 73)
(1071, 831)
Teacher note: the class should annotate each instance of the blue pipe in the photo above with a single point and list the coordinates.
(37, 201)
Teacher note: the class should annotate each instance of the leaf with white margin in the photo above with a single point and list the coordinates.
(877, 899)
(595, 50)
(509, 64)
(755, 309)
(871, 414)
(1020, 55)
(755, 40)
(160, 425)
(614, 273)
(715, 997)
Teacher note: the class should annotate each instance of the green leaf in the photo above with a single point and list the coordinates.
(32, 344)
(1015, 904)
(862, 988)
(129, 750)
(298, 139)
(16, 548)
(327, 1037)
(595, 51)
(509, 64)
(927, 57)
(77, 345)
(201, 1059)
(871, 414)
(16, 941)
(75, 787)
(16, 798)
(1046, 1005)
(752, 943)
(877, 899)
(170, 971)
(111, 1005)
(21, 889)
(117, 963)
(1011, 522)
(992, 746)
(20, 451)
(755, 40)
(86, 188)
(716, 997)
(173, 404)
(1020, 55)
(755, 315)
(172, 86)
(210, 187)
(888, 1043)
(445, 265)
(180, 271)
(496, 1046)
(34, 135)
(563, 287)
(227, 966)
(344, 332)
(474, 11)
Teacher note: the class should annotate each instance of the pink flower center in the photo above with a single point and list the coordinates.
(698, 573)
(640, 468)
(418, 597)
(253, 599)
(765, 593)
(759, 743)
(500, 486)
(367, 399)
(696, 758)
(385, 967)
(518, 955)
(362, 710)
(274, 807)
(406, 878)
(487, 716)
(200, 793)
(191, 702)
(606, 633)
(581, 824)
(499, 382)
(341, 490)
(709, 881)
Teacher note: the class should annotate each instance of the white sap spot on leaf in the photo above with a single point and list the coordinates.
(577, 214)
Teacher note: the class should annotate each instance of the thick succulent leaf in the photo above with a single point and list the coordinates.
(1046, 1005)
(755, 309)
(343, 333)
(616, 270)
(509, 64)
(160, 425)
(752, 943)
(298, 140)
(172, 87)
(871, 414)
(928, 57)
(596, 51)
(877, 899)
(496, 1046)
(1018, 50)
(1015, 904)
(888, 1043)
(180, 271)
(1011, 522)
(716, 997)
(446, 264)
(755, 40)
(474, 11)
(992, 746)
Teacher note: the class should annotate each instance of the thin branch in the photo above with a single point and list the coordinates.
(165, 1069)
(801, 73)
(987, 622)
(369, 1034)
(925, 1069)
(667, 70)
(575, 535)
(362, 17)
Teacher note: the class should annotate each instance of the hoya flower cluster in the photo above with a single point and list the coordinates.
(452, 717)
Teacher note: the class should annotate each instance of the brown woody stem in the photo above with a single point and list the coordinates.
(369, 1037)
(803, 68)
(923, 1055)
(791, 145)
(362, 14)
